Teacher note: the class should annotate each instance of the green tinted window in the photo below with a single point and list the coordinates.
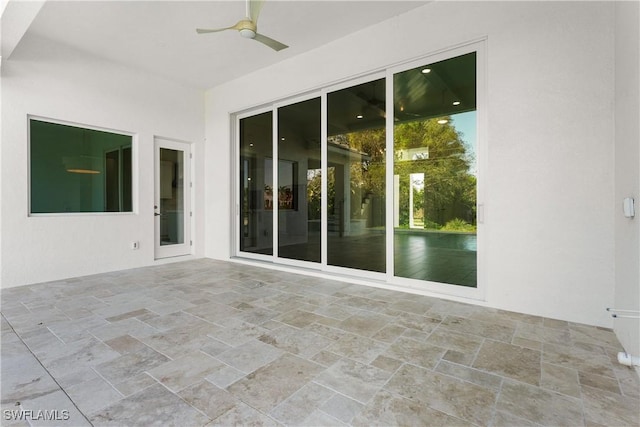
(74, 169)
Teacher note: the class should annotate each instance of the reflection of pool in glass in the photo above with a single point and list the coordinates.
(439, 239)
(445, 257)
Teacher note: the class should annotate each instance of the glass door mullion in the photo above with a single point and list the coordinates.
(323, 175)
(274, 189)
(236, 185)
(389, 184)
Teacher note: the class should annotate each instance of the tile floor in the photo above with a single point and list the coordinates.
(215, 343)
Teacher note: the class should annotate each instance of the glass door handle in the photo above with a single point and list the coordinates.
(156, 214)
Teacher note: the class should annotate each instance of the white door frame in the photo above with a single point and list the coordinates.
(184, 248)
(479, 293)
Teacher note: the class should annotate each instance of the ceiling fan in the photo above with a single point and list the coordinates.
(248, 27)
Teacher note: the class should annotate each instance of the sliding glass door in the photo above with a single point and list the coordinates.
(356, 138)
(379, 177)
(299, 178)
(435, 172)
(256, 176)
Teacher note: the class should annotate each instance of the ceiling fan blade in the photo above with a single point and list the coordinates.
(255, 6)
(237, 26)
(217, 30)
(273, 44)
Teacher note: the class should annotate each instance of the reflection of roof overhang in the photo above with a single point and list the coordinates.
(448, 88)
(345, 151)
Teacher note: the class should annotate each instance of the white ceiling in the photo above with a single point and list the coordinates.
(160, 37)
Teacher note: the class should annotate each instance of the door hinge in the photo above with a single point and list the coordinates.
(191, 155)
(191, 185)
(190, 213)
(190, 242)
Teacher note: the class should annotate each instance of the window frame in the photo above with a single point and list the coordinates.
(388, 279)
(134, 169)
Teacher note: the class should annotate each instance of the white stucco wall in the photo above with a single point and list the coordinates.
(627, 171)
(58, 83)
(549, 181)
(555, 242)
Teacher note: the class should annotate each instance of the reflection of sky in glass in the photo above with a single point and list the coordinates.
(417, 180)
(466, 124)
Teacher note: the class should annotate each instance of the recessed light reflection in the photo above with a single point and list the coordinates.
(426, 71)
(443, 121)
(456, 102)
(359, 116)
(251, 144)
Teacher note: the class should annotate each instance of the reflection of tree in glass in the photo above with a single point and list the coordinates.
(314, 185)
(449, 186)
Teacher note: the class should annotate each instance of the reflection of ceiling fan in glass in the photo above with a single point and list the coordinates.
(374, 106)
(248, 27)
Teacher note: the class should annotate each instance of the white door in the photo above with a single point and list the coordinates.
(172, 205)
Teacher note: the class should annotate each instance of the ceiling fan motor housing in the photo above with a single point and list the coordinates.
(247, 28)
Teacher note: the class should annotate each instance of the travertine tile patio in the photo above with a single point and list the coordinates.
(207, 342)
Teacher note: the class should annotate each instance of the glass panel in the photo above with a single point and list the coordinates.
(78, 170)
(112, 171)
(256, 184)
(299, 176)
(118, 180)
(435, 172)
(171, 197)
(126, 180)
(356, 177)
